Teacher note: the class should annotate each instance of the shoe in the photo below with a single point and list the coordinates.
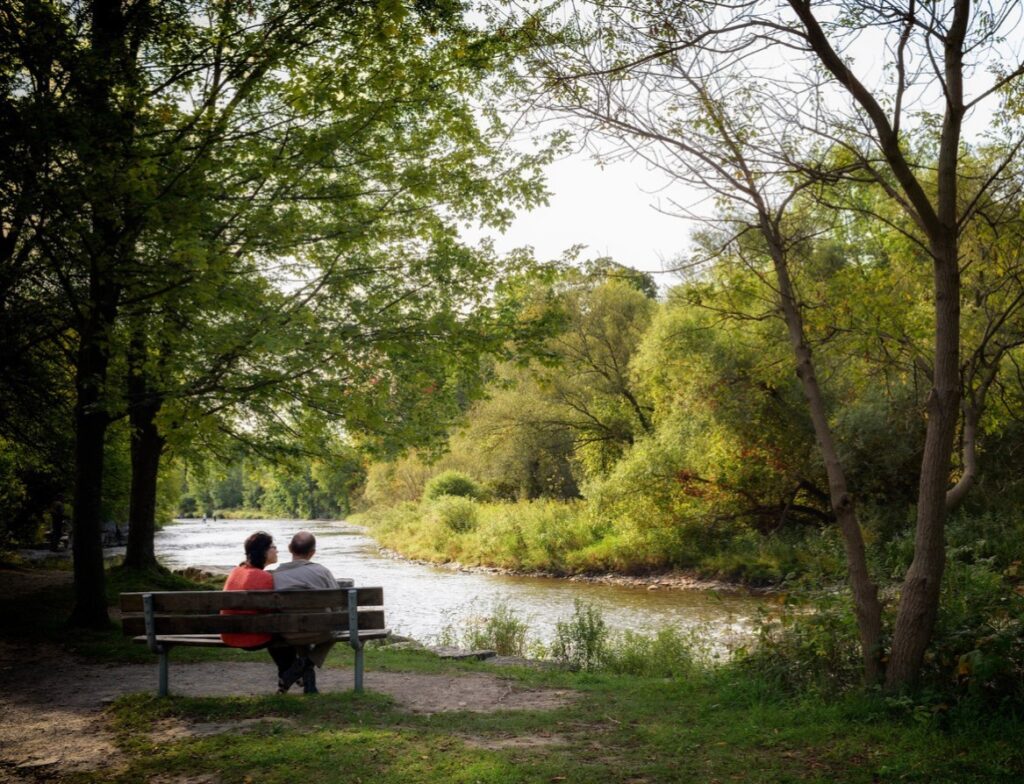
(309, 679)
(290, 676)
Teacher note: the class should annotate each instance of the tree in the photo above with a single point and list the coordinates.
(131, 113)
(686, 86)
(357, 188)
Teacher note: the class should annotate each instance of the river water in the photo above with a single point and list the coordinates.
(420, 601)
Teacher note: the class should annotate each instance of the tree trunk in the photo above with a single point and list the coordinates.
(867, 607)
(91, 420)
(919, 599)
(106, 137)
(146, 448)
(971, 423)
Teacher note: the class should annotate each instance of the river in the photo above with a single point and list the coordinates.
(420, 600)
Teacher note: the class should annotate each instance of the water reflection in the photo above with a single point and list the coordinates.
(421, 600)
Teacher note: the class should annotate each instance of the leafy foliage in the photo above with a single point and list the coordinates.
(451, 483)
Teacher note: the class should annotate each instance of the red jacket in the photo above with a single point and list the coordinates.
(246, 578)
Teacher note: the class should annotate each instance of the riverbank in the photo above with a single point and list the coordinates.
(45, 557)
(570, 539)
(674, 580)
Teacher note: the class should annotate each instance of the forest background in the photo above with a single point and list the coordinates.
(234, 281)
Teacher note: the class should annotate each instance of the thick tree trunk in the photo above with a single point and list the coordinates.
(91, 421)
(106, 137)
(147, 447)
(867, 607)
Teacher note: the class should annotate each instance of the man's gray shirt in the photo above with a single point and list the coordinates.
(303, 575)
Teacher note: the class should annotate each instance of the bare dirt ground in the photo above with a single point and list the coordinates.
(52, 705)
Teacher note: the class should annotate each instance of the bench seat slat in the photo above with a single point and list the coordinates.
(214, 640)
(268, 623)
(213, 601)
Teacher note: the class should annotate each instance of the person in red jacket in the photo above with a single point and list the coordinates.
(251, 575)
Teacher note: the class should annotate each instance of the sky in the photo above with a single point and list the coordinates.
(613, 211)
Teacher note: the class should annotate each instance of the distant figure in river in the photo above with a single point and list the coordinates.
(250, 575)
(302, 574)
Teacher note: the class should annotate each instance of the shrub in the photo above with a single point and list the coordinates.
(581, 642)
(668, 654)
(454, 483)
(814, 648)
(455, 513)
(976, 656)
(502, 630)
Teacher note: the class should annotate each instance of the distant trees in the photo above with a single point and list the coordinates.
(547, 427)
(311, 487)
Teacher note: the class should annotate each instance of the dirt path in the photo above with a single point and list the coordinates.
(52, 704)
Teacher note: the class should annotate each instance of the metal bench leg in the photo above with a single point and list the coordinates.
(164, 651)
(359, 668)
(353, 635)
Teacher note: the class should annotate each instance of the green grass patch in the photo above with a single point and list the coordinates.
(721, 726)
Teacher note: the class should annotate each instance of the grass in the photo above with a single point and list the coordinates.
(706, 729)
(710, 725)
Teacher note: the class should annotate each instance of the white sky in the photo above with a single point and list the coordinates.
(611, 210)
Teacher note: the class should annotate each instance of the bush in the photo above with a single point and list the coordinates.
(454, 483)
(455, 513)
(581, 642)
(668, 654)
(809, 648)
(976, 656)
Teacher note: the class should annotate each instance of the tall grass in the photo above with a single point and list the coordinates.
(583, 642)
(500, 629)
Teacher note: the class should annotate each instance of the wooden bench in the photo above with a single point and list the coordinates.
(164, 620)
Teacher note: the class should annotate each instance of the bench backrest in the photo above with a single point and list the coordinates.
(277, 612)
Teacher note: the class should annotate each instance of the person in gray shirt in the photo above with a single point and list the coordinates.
(296, 575)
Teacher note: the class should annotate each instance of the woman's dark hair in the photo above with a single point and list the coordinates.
(256, 547)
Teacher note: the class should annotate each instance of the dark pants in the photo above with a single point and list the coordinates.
(283, 655)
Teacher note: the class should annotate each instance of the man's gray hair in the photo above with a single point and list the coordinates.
(303, 544)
